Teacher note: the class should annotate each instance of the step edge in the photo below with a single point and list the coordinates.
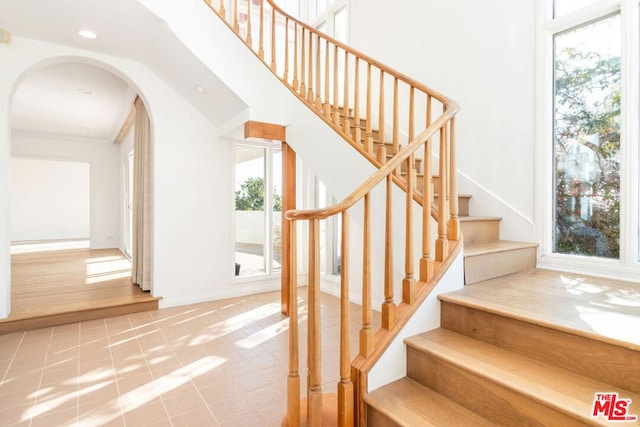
(501, 311)
(469, 249)
(542, 396)
(372, 399)
(480, 218)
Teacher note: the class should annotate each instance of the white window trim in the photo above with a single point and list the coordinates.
(327, 16)
(628, 266)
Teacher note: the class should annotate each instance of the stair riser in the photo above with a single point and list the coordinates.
(416, 166)
(376, 419)
(488, 266)
(480, 231)
(605, 362)
(463, 204)
(492, 401)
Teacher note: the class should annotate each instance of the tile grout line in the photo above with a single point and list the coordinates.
(113, 365)
(190, 380)
(6, 372)
(146, 362)
(35, 401)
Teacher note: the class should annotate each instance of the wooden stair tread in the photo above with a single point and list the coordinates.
(480, 218)
(460, 196)
(551, 386)
(495, 246)
(560, 301)
(408, 403)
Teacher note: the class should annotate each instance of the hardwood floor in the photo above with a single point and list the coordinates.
(57, 287)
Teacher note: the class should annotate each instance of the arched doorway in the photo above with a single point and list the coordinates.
(70, 111)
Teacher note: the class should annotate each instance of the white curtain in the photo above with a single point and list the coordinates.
(142, 202)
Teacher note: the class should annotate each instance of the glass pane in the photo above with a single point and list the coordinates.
(337, 243)
(250, 212)
(277, 210)
(292, 7)
(340, 25)
(321, 6)
(563, 7)
(587, 140)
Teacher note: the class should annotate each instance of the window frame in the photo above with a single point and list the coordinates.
(327, 16)
(628, 265)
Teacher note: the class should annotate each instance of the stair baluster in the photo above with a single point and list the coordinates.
(389, 306)
(318, 100)
(442, 244)
(236, 25)
(248, 29)
(314, 327)
(274, 67)
(357, 130)
(366, 333)
(310, 79)
(326, 106)
(381, 139)
(454, 221)
(303, 75)
(293, 381)
(368, 136)
(396, 121)
(345, 386)
(346, 127)
(336, 88)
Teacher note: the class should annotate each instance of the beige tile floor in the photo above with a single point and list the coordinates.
(221, 363)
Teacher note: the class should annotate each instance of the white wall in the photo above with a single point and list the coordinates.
(103, 160)
(393, 363)
(481, 54)
(49, 199)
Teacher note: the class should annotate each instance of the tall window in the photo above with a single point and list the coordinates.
(591, 144)
(258, 196)
(330, 17)
(587, 139)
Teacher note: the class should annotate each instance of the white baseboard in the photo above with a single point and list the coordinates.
(231, 292)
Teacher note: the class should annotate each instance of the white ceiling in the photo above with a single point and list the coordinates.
(49, 100)
(72, 100)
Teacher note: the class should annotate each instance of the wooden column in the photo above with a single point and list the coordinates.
(288, 202)
(274, 132)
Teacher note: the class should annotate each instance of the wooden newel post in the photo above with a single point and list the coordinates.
(288, 203)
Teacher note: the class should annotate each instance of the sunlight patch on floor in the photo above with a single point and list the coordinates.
(28, 247)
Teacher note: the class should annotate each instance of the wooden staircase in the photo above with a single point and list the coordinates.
(505, 355)
(486, 256)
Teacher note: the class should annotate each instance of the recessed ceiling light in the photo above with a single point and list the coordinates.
(85, 91)
(87, 34)
(200, 89)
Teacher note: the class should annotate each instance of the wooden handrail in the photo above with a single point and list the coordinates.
(337, 99)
